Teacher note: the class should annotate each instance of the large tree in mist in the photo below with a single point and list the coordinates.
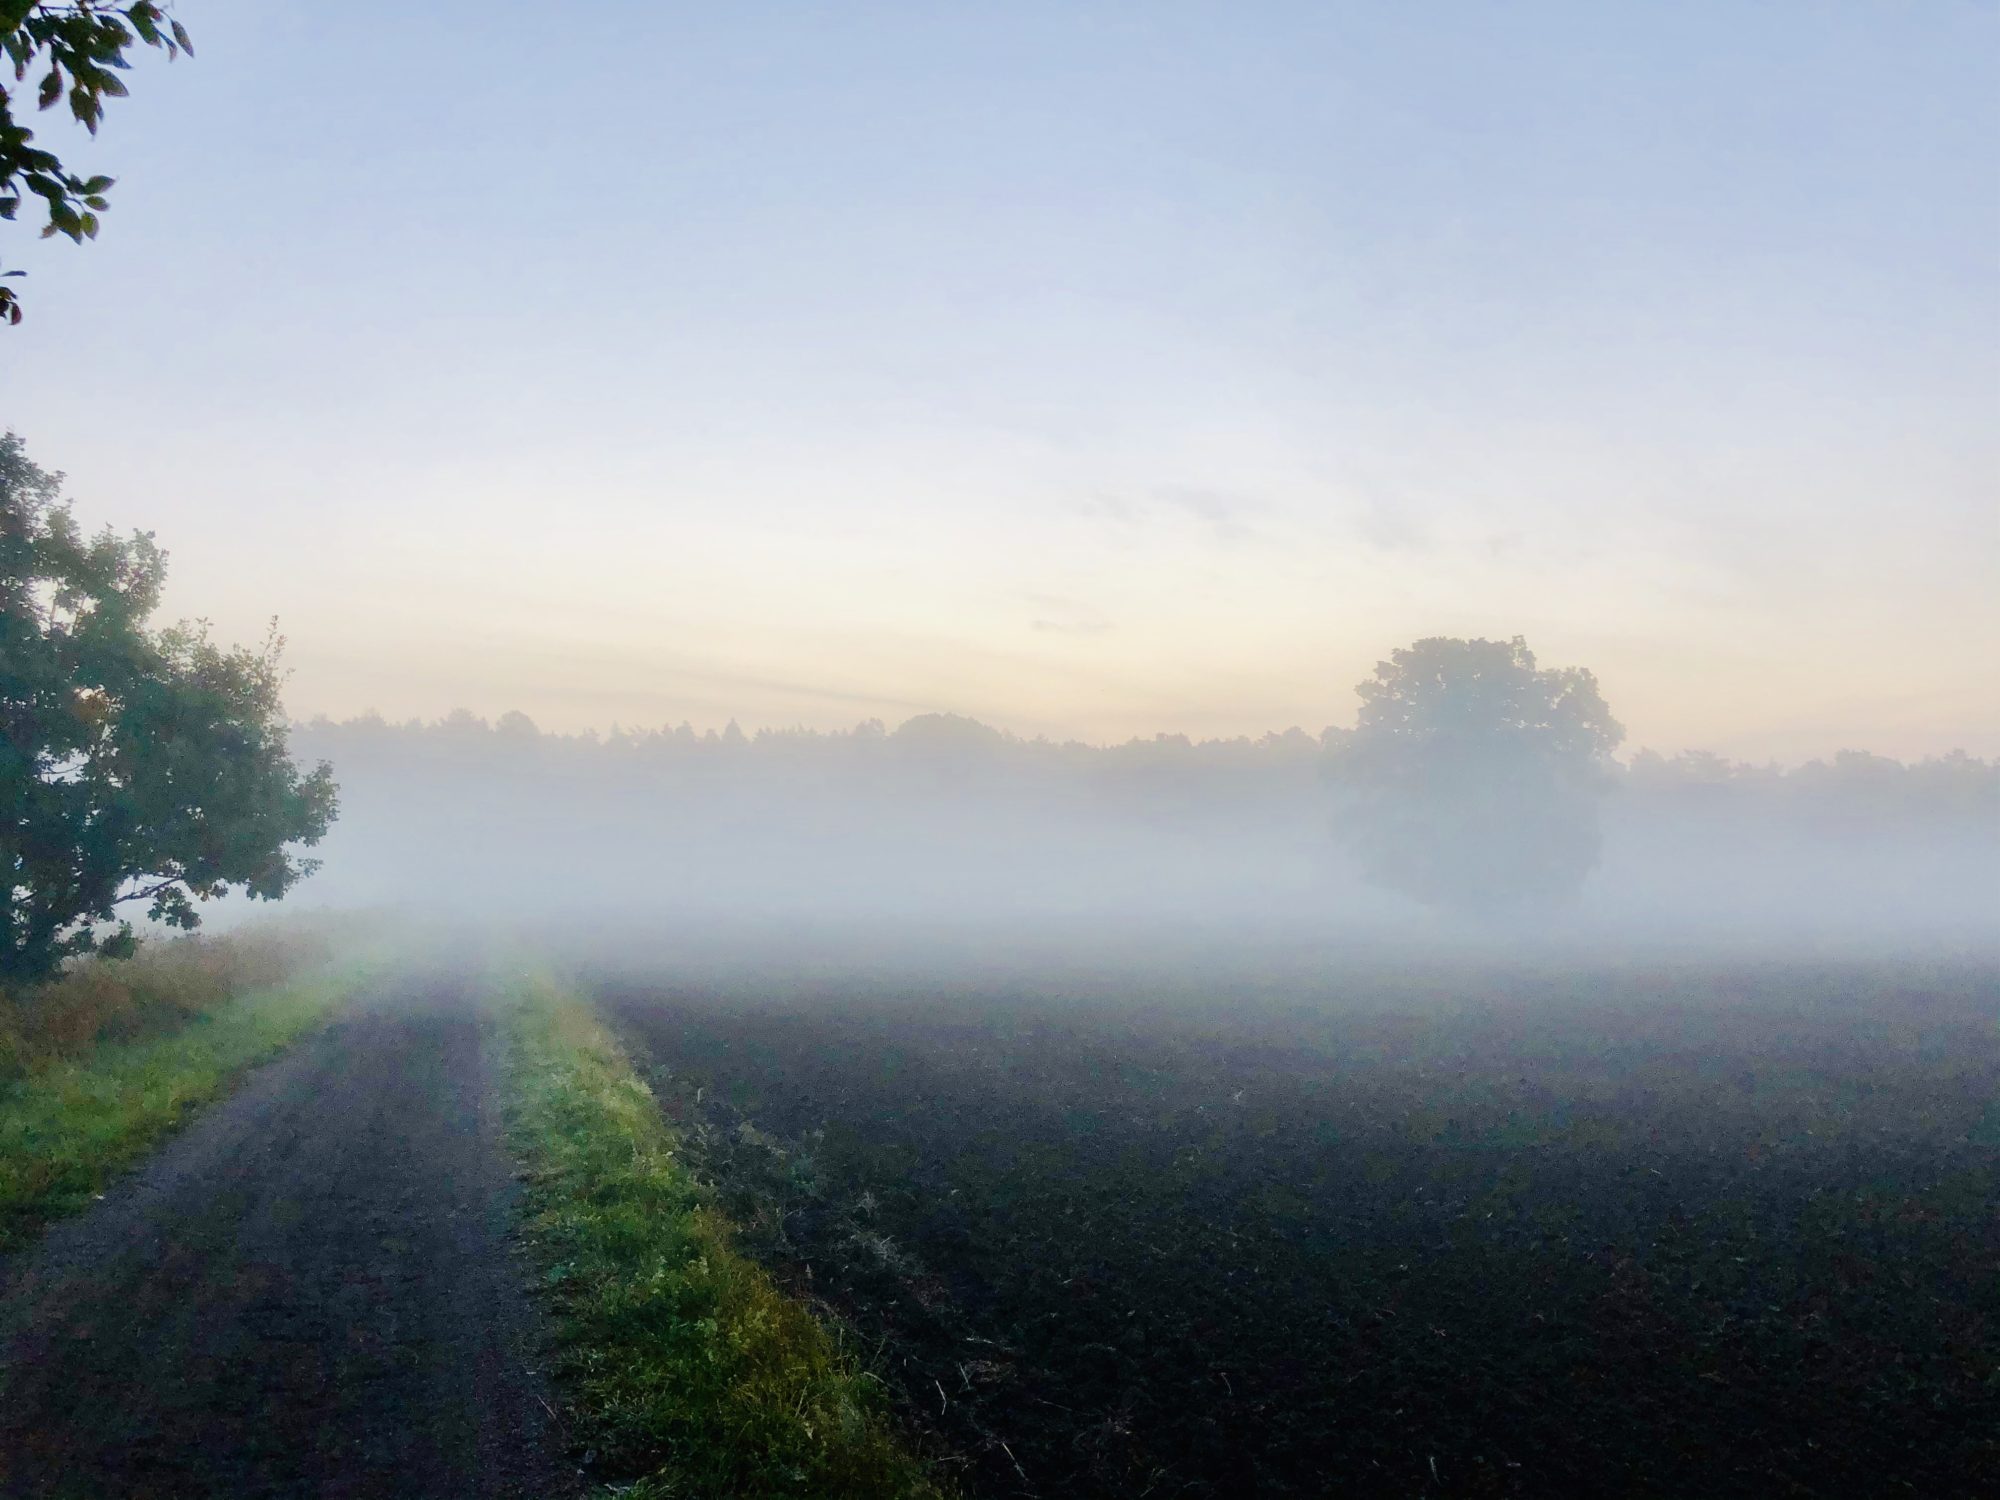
(1472, 777)
(136, 765)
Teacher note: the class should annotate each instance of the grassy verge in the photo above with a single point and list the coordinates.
(684, 1367)
(68, 1128)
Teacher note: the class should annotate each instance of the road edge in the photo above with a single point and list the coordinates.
(683, 1367)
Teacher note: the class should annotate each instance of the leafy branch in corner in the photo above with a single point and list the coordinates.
(70, 53)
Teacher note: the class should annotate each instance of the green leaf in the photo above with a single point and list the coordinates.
(181, 36)
(98, 184)
(51, 89)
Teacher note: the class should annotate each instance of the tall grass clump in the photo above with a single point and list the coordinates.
(158, 990)
(685, 1368)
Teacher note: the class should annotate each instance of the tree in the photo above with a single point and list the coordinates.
(1472, 776)
(135, 765)
(83, 46)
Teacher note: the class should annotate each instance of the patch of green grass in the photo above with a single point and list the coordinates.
(685, 1368)
(68, 1129)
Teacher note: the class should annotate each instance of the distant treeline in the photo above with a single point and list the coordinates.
(1854, 788)
(946, 815)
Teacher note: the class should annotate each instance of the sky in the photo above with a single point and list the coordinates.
(1094, 370)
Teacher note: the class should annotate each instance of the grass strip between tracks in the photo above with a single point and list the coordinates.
(684, 1367)
(69, 1130)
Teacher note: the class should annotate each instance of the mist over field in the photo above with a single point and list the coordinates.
(944, 826)
(1437, 1104)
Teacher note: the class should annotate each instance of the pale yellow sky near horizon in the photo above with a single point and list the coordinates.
(1097, 619)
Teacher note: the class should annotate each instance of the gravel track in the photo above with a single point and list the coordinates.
(313, 1290)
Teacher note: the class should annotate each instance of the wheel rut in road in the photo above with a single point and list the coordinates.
(313, 1290)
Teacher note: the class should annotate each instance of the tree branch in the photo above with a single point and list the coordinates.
(149, 891)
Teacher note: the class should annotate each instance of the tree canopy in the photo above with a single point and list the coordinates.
(69, 53)
(1472, 775)
(135, 765)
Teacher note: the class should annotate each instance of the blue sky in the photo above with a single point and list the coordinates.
(1091, 369)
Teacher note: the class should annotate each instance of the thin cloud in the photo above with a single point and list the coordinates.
(1228, 517)
(1061, 615)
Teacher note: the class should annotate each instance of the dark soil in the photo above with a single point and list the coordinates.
(309, 1292)
(1693, 1234)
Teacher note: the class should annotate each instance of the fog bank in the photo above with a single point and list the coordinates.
(944, 824)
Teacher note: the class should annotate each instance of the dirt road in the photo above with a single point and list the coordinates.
(311, 1292)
